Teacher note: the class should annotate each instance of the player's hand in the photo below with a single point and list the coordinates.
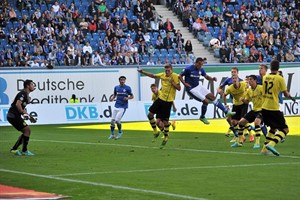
(227, 107)
(25, 116)
(214, 78)
(174, 109)
(32, 119)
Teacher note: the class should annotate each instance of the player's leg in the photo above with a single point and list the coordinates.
(118, 121)
(18, 123)
(212, 98)
(152, 111)
(196, 93)
(113, 124)
(26, 135)
(257, 130)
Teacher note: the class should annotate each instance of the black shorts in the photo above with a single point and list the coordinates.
(161, 108)
(252, 115)
(16, 121)
(274, 119)
(240, 110)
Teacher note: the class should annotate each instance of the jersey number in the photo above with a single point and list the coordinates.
(269, 86)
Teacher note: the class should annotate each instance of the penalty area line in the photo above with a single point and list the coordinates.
(179, 196)
(148, 147)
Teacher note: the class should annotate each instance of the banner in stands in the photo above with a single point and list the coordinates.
(137, 111)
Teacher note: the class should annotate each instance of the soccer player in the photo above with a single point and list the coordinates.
(227, 82)
(122, 93)
(162, 106)
(155, 95)
(273, 84)
(16, 115)
(73, 99)
(237, 90)
(254, 94)
(190, 78)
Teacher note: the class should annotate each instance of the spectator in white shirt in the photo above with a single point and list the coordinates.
(55, 7)
(34, 63)
(96, 59)
(150, 62)
(87, 47)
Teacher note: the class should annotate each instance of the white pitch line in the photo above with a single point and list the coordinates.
(148, 147)
(177, 168)
(179, 196)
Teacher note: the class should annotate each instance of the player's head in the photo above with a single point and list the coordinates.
(154, 88)
(252, 80)
(274, 65)
(122, 80)
(263, 69)
(234, 71)
(235, 79)
(73, 96)
(199, 63)
(29, 84)
(168, 69)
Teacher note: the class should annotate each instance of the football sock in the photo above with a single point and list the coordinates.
(18, 143)
(269, 136)
(166, 129)
(25, 143)
(203, 110)
(240, 129)
(153, 125)
(221, 106)
(280, 134)
(112, 127)
(257, 134)
(119, 125)
(264, 130)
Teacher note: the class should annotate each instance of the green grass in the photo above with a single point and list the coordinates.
(83, 164)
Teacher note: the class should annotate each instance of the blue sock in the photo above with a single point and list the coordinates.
(221, 106)
(203, 110)
(112, 129)
(264, 130)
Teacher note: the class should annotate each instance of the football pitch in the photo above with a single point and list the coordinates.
(197, 163)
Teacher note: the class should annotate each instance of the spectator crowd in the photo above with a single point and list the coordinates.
(248, 30)
(47, 33)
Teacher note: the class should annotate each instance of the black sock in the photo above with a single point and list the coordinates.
(18, 143)
(25, 143)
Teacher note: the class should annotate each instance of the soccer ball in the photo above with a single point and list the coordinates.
(214, 43)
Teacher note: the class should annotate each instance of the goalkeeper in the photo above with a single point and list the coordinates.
(17, 114)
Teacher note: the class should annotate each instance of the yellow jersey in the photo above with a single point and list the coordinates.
(273, 84)
(237, 93)
(155, 96)
(167, 92)
(256, 96)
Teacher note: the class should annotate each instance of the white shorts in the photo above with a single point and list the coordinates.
(200, 92)
(118, 114)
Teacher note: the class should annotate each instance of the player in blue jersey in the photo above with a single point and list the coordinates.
(190, 77)
(122, 93)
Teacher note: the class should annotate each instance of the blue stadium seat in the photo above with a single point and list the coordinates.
(171, 52)
(164, 52)
(211, 29)
(156, 52)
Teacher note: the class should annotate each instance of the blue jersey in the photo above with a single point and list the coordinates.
(192, 76)
(228, 81)
(121, 91)
(259, 80)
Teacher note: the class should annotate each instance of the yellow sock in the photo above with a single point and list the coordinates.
(153, 125)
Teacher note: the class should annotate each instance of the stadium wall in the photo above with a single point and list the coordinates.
(93, 86)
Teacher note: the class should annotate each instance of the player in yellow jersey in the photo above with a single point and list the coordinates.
(155, 95)
(254, 94)
(162, 106)
(273, 84)
(237, 90)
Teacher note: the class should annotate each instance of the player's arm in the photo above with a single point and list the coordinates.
(129, 97)
(174, 107)
(183, 82)
(288, 95)
(222, 86)
(210, 78)
(19, 107)
(149, 74)
(112, 97)
(176, 84)
(224, 99)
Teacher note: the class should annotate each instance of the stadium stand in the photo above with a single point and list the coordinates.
(55, 32)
